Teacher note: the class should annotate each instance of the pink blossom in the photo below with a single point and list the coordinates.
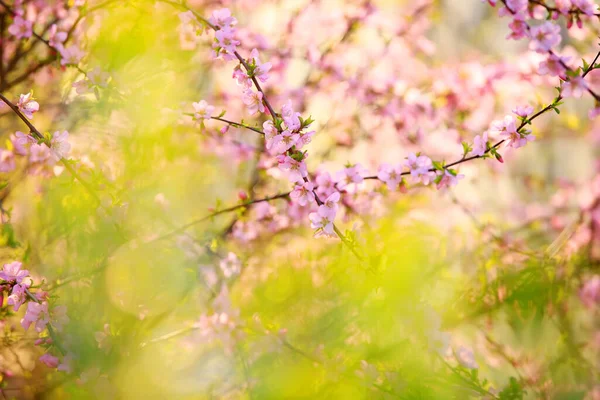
(420, 168)
(448, 179)
(282, 142)
(39, 153)
(516, 139)
(594, 112)
(71, 55)
(480, 145)
(466, 358)
(226, 41)
(19, 140)
(253, 101)
(60, 144)
(36, 313)
(56, 38)
(349, 175)
(523, 111)
(296, 169)
(304, 139)
(230, 265)
(515, 8)
(67, 364)
(290, 117)
(49, 360)
(17, 297)
(222, 18)
(303, 193)
(391, 175)
(94, 78)
(563, 6)
(588, 7)
(241, 76)
(12, 272)
(544, 37)
(269, 130)
(518, 29)
(325, 184)
(322, 221)
(574, 87)
(202, 110)
(261, 71)
(590, 292)
(507, 125)
(7, 160)
(27, 105)
(331, 203)
(554, 66)
(21, 28)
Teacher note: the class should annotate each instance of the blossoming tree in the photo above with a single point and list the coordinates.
(300, 199)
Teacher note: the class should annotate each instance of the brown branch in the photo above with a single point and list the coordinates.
(216, 213)
(44, 140)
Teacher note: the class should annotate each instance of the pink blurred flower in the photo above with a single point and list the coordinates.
(12, 272)
(21, 28)
(17, 297)
(588, 7)
(574, 87)
(590, 292)
(56, 38)
(419, 167)
(230, 265)
(7, 160)
(296, 169)
(544, 37)
(282, 142)
(60, 144)
(71, 55)
(349, 175)
(27, 105)
(222, 18)
(466, 357)
(36, 313)
(303, 193)
(523, 111)
(226, 41)
(202, 110)
(19, 141)
(391, 175)
(253, 100)
(39, 153)
(448, 179)
(480, 145)
(554, 66)
(49, 360)
(322, 221)
(261, 70)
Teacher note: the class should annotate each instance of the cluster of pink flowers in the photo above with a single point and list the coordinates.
(225, 44)
(545, 36)
(18, 283)
(22, 28)
(40, 155)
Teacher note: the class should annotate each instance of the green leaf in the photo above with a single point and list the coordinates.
(439, 165)
(466, 148)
